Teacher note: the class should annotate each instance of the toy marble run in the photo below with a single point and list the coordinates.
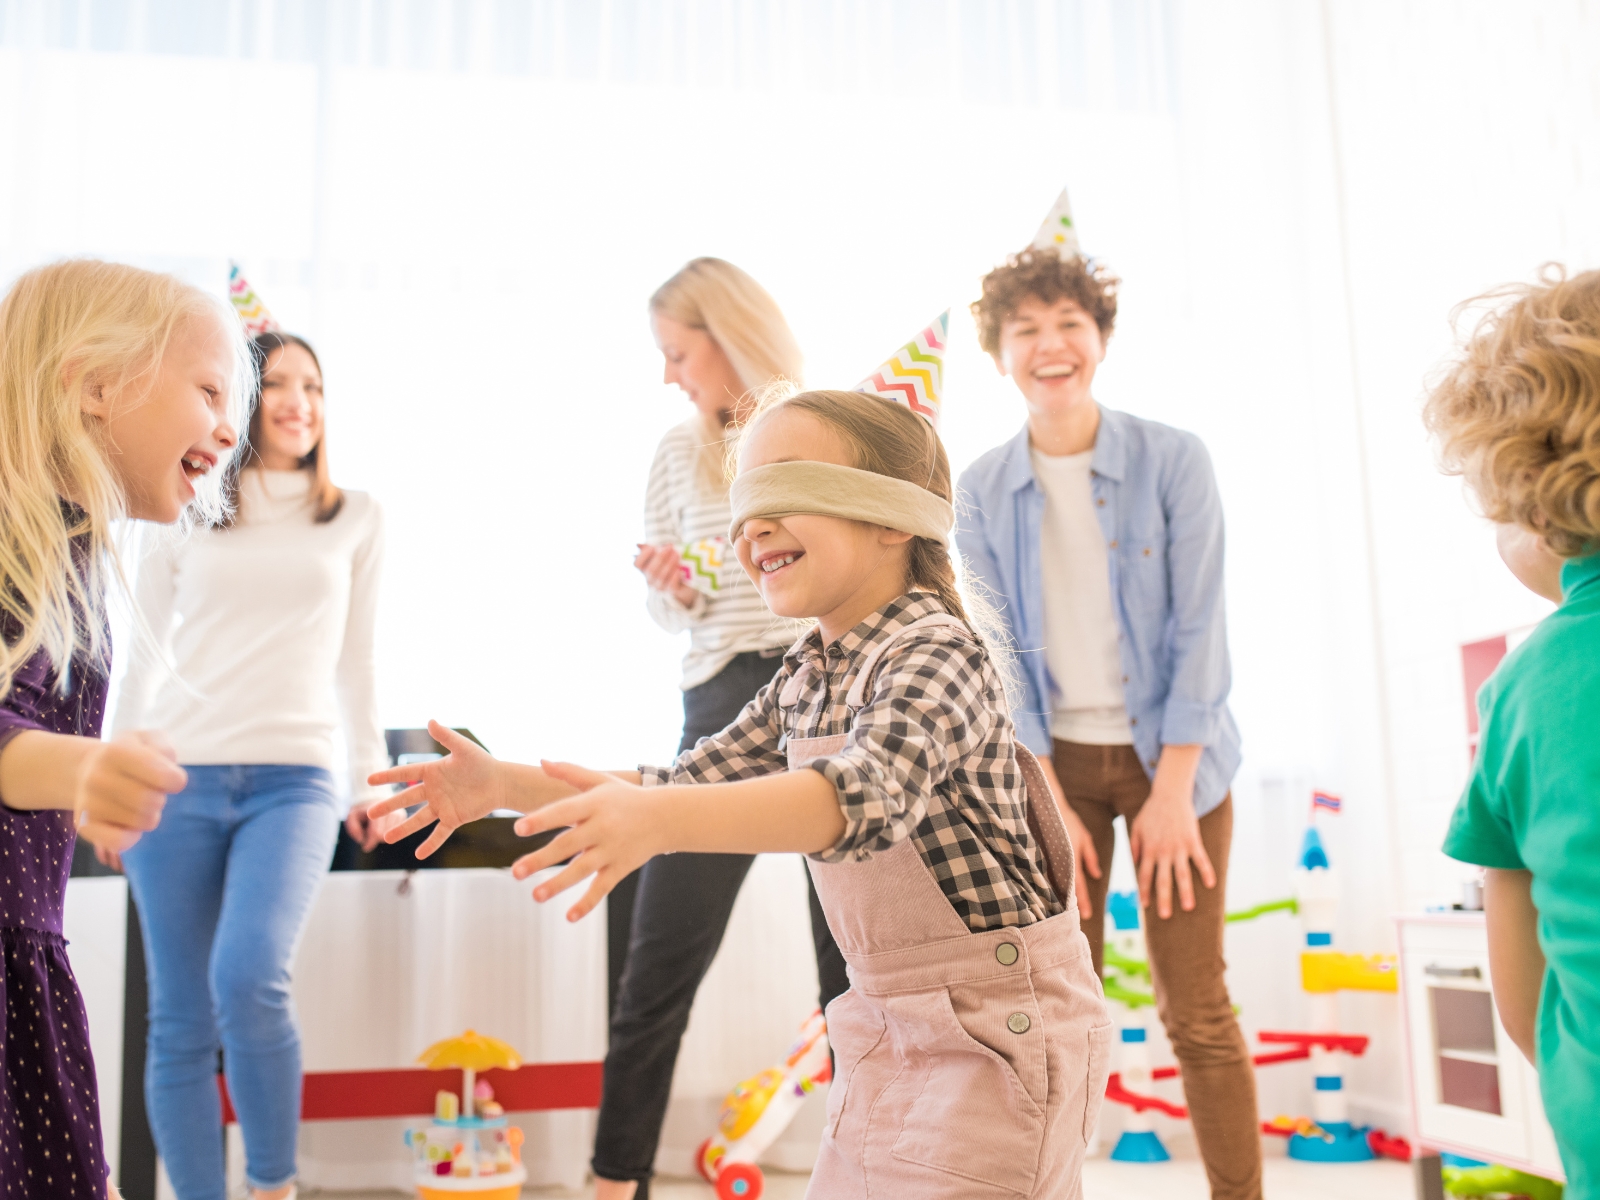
(470, 1151)
(759, 1109)
(1328, 1135)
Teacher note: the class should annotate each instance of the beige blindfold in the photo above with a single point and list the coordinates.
(788, 489)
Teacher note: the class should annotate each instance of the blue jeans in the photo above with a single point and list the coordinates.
(224, 887)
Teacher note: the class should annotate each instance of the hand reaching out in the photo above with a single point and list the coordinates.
(611, 831)
(122, 787)
(466, 784)
(662, 568)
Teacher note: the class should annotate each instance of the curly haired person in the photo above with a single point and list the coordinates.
(1518, 416)
(1100, 535)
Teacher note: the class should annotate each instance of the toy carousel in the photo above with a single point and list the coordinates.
(469, 1150)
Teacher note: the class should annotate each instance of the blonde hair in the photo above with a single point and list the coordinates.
(64, 329)
(745, 322)
(1518, 415)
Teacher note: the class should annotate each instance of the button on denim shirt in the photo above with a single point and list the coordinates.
(1157, 502)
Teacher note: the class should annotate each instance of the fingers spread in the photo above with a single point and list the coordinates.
(418, 820)
(596, 893)
(575, 871)
(394, 803)
(450, 739)
(410, 773)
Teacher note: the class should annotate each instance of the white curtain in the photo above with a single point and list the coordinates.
(466, 204)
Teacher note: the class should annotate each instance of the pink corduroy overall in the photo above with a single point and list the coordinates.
(967, 1065)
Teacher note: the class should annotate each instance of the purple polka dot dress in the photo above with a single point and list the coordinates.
(49, 1108)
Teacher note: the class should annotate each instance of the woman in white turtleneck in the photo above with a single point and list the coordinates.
(269, 623)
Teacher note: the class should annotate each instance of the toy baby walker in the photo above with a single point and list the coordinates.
(470, 1149)
(759, 1109)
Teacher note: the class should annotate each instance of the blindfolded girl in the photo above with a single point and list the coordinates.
(974, 1035)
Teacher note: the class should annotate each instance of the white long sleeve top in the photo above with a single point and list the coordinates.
(679, 509)
(270, 628)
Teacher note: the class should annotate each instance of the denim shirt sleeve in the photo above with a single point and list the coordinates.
(987, 517)
(1201, 674)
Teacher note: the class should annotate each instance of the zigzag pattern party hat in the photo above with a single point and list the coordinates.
(257, 320)
(914, 374)
(1058, 231)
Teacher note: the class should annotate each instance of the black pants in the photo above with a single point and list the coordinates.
(680, 904)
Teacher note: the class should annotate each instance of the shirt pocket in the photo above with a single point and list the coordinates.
(974, 1116)
(1142, 564)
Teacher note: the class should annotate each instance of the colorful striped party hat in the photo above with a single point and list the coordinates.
(914, 374)
(257, 320)
(1058, 231)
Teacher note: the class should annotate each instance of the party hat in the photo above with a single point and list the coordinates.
(1058, 231)
(257, 320)
(914, 374)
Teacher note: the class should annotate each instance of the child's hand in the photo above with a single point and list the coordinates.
(122, 787)
(466, 784)
(613, 831)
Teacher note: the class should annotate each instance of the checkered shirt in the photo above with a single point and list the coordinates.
(931, 756)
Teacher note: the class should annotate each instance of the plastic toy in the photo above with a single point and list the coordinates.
(759, 1109)
(1326, 1136)
(470, 1149)
(1127, 983)
(1499, 1181)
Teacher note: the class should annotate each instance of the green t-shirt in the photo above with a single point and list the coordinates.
(1533, 804)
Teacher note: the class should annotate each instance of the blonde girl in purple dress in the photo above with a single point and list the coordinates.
(121, 393)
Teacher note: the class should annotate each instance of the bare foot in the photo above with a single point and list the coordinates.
(281, 1193)
(614, 1189)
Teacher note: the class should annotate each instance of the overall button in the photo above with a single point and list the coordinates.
(1006, 953)
(1018, 1023)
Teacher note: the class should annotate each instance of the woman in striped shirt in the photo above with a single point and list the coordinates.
(722, 337)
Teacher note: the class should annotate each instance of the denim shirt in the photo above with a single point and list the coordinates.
(1157, 502)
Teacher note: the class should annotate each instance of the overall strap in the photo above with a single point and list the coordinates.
(1047, 827)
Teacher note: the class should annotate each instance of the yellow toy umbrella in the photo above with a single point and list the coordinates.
(471, 1052)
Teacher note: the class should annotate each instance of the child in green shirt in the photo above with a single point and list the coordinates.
(1519, 417)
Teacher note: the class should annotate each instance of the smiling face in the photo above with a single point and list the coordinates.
(290, 423)
(697, 365)
(836, 570)
(159, 442)
(1051, 352)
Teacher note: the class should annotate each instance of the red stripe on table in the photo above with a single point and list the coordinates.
(355, 1095)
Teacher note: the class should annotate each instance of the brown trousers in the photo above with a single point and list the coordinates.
(1102, 783)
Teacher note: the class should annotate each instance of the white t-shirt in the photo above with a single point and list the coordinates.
(1080, 628)
(270, 627)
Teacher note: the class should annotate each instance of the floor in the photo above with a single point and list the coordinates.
(1180, 1179)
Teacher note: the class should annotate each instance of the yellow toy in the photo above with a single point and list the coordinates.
(759, 1109)
(470, 1149)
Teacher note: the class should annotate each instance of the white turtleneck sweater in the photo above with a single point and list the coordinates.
(270, 627)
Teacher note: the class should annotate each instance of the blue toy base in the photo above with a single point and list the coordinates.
(1349, 1144)
(1140, 1147)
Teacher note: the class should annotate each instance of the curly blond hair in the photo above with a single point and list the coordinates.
(1518, 415)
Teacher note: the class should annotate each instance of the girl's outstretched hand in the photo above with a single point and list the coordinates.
(613, 828)
(122, 786)
(464, 785)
